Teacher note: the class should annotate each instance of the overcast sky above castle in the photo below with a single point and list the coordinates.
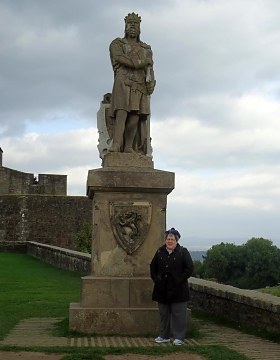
(215, 110)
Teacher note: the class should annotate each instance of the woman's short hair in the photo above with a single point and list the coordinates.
(173, 232)
(176, 237)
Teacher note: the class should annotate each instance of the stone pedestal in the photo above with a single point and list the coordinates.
(129, 220)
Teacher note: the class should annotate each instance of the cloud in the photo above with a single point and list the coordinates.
(215, 109)
(56, 153)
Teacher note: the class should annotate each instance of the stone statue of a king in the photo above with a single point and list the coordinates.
(134, 82)
(129, 199)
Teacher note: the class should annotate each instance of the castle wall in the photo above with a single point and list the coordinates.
(15, 182)
(53, 220)
(53, 184)
(18, 182)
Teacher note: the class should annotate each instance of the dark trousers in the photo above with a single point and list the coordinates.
(174, 314)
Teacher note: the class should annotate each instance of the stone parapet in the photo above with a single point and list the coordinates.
(248, 307)
(62, 258)
(13, 247)
(17, 182)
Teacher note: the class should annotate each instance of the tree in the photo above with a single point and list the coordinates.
(197, 269)
(221, 262)
(84, 238)
(262, 262)
(252, 265)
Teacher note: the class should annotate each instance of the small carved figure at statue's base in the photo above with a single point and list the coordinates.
(133, 84)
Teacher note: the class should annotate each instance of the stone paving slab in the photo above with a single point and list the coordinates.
(39, 332)
(35, 332)
(249, 345)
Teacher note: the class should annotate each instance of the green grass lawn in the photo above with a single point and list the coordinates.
(271, 290)
(32, 288)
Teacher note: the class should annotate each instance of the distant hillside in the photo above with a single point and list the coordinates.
(200, 243)
(197, 255)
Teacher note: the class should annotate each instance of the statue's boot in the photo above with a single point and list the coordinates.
(129, 150)
(115, 148)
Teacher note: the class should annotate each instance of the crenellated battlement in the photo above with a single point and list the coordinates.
(14, 182)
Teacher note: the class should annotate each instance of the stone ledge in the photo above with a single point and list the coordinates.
(127, 180)
(60, 257)
(72, 253)
(248, 297)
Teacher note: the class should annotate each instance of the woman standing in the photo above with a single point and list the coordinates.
(170, 268)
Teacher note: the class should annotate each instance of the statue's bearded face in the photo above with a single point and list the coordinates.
(132, 28)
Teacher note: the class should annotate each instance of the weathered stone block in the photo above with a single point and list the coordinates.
(119, 292)
(129, 180)
(126, 161)
(114, 320)
(117, 321)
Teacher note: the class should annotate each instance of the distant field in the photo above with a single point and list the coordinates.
(32, 288)
(272, 290)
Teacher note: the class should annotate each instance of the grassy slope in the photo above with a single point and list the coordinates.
(32, 288)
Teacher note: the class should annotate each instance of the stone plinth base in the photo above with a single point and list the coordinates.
(116, 305)
(126, 161)
(117, 321)
(117, 292)
(114, 321)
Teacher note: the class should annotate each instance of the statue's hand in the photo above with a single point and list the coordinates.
(150, 87)
(149, 61)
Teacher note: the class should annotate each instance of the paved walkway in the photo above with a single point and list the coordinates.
(39, 332)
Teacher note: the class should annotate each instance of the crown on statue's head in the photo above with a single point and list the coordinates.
(132, 16)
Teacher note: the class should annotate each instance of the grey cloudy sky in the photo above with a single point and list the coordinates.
(215, 109)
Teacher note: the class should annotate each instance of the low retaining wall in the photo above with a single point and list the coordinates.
(247, 307)
(13, 247)
(62, 258)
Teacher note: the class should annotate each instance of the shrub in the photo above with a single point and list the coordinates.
(84, 238)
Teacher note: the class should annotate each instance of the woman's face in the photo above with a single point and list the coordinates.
(171, 242)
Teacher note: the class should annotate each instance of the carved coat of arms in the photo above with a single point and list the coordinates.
(130, 223)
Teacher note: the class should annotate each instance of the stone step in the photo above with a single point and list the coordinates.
(120, 341)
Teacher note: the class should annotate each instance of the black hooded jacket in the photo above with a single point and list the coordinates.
(170, 273)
